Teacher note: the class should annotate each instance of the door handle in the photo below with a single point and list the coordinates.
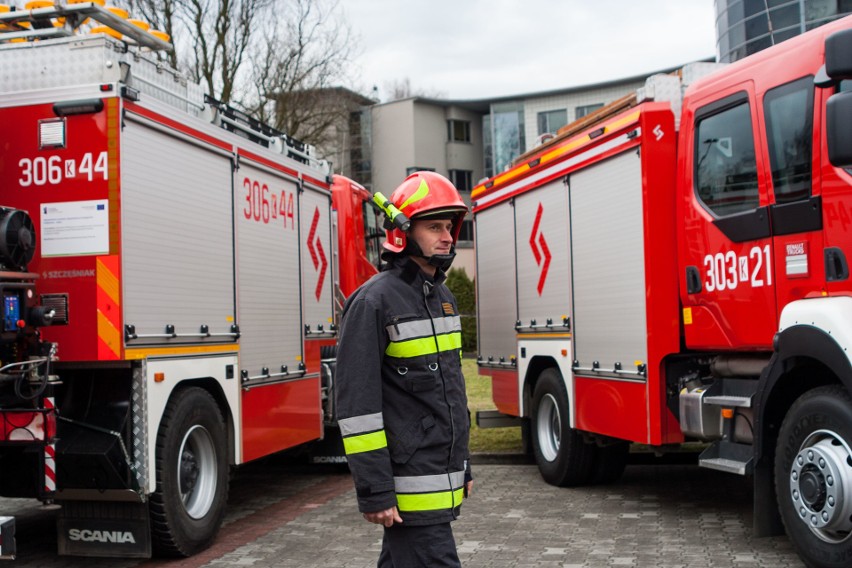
(693, 280)
(836, 267)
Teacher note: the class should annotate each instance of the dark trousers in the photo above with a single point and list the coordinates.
(430, 546)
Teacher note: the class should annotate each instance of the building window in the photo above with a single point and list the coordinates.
(551, 121)
(487, 147)
(360, 152)
(507, 139)
(584, 110)
(412, 169)
(747, 26)
(466, 234)
(462, 179)
(458, 130)
(725, 162)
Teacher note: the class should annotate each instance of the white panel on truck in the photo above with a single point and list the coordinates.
(316, 254)
(495, 283)
(77, 60)
(268, 306)
(177, 238)
(608, 254)
(544, 272)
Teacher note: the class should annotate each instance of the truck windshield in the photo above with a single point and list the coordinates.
(789, 131)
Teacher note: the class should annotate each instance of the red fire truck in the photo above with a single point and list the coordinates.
(182, 258)
(672, 275)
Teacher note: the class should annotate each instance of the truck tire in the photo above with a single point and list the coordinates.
(610, 462)
(562, 457)
(192, 475)
(813, 476)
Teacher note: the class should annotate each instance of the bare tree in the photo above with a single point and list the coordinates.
(398, 89)
(211, 37)
(296, 71)
(401, 89)
(281, 62)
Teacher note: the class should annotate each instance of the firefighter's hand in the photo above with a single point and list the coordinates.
(468, 489)
(387, 517)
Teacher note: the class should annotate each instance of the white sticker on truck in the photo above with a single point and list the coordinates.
(75, 228)
(727, 270)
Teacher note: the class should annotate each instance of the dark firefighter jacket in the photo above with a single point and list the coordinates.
(401, 402)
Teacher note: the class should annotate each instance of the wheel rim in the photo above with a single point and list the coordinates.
(821, 486)
(197, 472)
(549, 427)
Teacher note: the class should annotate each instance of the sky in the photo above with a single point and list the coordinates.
(468, 49)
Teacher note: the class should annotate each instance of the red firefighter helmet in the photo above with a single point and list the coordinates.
(425, 194)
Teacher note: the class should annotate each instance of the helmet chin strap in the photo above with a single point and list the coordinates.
(442, 261)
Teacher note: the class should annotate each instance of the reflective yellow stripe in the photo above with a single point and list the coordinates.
(365, 442)
(424, 345)
(430, 501)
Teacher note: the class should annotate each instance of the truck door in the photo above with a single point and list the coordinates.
(796, 215)
(725, 240)
(835, 185)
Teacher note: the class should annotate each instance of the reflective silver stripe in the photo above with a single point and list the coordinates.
(359, 424)
(429, 483)
(423, 328)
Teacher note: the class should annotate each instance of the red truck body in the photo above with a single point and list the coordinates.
(677, 271)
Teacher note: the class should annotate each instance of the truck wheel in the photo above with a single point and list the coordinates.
(813, 476)
(610, 462)
(562, 456)
(192, 475)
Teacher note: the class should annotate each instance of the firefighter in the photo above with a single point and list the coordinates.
(402, 407)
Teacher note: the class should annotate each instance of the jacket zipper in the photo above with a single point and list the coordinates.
(427, 289)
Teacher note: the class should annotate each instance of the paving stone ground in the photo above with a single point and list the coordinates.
(286, 514)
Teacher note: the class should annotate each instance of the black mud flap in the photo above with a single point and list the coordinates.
(7, 538)
(329, 450)
(113, 530)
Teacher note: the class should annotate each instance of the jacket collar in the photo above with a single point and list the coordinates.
(411, 272)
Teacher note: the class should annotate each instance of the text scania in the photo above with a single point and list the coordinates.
(726, 270)
(52, 170)
(86, 535)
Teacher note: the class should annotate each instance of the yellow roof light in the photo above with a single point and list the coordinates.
(105, 30)
(140, 24)
(36, 4)
(160, 35)
(120, 12)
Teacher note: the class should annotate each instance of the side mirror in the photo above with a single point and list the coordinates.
(838, 67)
(838, 55)
(838, 117)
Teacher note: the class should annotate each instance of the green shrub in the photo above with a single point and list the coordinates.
(463, 289)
